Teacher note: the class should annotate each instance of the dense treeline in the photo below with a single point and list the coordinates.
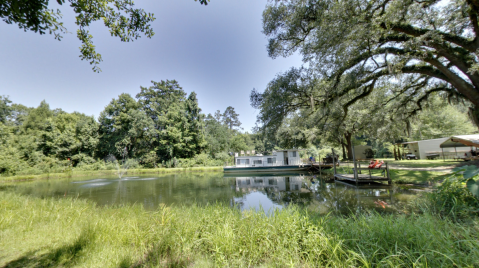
(161, 126)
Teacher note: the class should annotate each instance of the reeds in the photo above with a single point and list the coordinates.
(69, 232)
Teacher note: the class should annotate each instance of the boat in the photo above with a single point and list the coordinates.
(279, 161)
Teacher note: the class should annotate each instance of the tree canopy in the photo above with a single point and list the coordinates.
(354, 47)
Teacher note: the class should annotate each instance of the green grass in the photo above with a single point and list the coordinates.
(416, 177)
(412, 163)
(424, 163)
(76, 233)
(400, 176)
(107, 172)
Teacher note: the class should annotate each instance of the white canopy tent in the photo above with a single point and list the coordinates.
(461, 141)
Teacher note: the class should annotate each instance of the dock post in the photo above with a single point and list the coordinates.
(355, 170)
(387, 171)
(334, 162)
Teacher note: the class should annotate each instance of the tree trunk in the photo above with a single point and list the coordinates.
(349, 144)
(395, 154)
(474, 115)
(344, 150)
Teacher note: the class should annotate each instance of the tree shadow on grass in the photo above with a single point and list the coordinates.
(162, 255)
(63, 256)
(417, 177)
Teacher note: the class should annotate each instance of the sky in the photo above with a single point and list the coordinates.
(217, 50)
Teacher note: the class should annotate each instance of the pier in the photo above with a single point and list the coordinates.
(358, 176)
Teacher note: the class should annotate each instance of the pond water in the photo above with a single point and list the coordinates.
(245, 192)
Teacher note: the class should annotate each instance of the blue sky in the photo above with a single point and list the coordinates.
(218, 51)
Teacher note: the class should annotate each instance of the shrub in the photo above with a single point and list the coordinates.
(452, 197)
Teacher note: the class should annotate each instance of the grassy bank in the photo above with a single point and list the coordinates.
(107, 172)
(400, 176)
(67, 232)
(420, 163)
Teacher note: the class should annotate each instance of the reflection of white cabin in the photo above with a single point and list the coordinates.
(278, 183)
(279, 158)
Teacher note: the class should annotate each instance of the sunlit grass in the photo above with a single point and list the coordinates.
(108, 172)
(67, 232)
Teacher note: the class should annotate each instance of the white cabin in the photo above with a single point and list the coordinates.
(279, 158)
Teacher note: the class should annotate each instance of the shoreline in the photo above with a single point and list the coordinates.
(73, 174)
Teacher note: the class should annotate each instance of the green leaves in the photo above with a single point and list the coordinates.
(473, 186)
(468, 176)
(467, 171)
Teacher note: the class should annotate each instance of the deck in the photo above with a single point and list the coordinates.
(366, 178)
(361, 177)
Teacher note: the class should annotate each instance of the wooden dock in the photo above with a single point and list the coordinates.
(358, 177)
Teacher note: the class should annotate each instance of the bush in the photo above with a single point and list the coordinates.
(149, 160)
(452, 197)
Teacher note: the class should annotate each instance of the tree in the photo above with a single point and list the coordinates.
(178, 121)
(120, 16)
(217, 135)
(5, 109)
(37, 118)
(439, 119)
(196, 125)
(286, 117)
(354, 47)
(124, 125)
(230, 118)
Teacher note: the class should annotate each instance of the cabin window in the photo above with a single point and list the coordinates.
(272, 182)
(242, 161)
(294, 153)
(257, 162)
(258, 181)
(271, 160)
(246, 182)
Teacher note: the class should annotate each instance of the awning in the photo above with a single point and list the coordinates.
(408, 142)
(461, 141)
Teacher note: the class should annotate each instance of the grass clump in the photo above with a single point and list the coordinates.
(71, 232)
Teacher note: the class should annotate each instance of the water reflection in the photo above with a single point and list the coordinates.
(244, 192)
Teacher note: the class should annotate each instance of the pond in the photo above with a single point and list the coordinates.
(245, 191)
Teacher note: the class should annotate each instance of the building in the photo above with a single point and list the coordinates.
(429, 147)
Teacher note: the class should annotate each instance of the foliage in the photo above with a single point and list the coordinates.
(413, 48)
(5, 109)
(163, 124)
(458, 194)
(230, 118)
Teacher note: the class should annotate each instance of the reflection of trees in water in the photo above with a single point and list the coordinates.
(202, 188)
(318, 195)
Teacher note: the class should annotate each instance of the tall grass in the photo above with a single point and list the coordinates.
(69, 232)
(108, 172)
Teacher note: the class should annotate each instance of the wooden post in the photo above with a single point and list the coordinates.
(443, 158)
(334, 161)
(387, 172)
(354, 165)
